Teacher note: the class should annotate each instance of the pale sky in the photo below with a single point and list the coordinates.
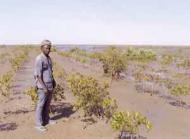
(95, 21)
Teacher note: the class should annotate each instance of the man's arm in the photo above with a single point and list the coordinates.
(42, 83)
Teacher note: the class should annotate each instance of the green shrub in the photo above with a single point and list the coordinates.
(58, 93)
(18, 60)
(32, 92)
(91, 97)
(185, 63)
(141, 55)
(113, 61)
(129, 122)
(167, 59)
(5, 81)
(180, 89)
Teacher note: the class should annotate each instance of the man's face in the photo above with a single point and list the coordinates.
(46, 49)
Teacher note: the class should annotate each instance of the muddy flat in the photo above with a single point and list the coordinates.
(17, 110)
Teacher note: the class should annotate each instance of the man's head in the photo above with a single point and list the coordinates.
(45, 47)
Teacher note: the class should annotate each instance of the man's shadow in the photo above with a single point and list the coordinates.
(62, 110)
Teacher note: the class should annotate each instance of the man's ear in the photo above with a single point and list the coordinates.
(41, 47)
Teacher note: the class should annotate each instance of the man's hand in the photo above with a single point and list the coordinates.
(43, 84)
(46, 90)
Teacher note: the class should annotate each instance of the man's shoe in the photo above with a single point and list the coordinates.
(52, 122)
(41, 128)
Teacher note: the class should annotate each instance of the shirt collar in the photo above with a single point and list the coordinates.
(44, 55)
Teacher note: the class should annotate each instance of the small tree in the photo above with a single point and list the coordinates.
(91, 96)
(113, 61)
(128, 123)
(178, 90)
(185, 63)
(141, 55)
(17, 61)
(167, 59)
(32, 92)
(5, 81)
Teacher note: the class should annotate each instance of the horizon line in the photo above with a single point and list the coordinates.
(103, 44)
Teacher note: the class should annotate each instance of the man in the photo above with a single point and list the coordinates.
(45, 84)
